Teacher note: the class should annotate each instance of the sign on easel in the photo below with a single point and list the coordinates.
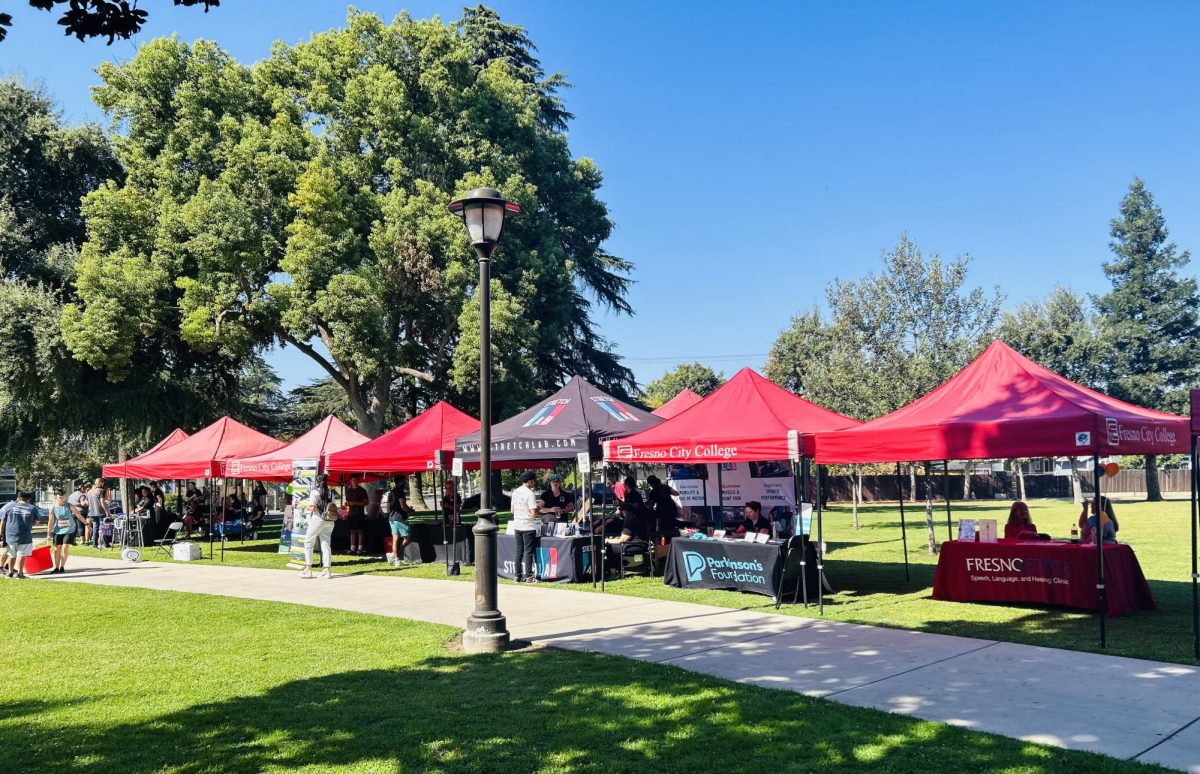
(585, 462)
(304, 478)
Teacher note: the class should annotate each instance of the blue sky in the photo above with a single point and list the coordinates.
(754, 151)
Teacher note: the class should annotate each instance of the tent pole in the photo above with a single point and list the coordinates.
(1195, 478)
(720, 495)
(946, 494)
(804, 474)
(800, 532)
(903, 528)
(1099, 549)
(820, 559)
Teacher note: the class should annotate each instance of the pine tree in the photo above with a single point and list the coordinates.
(1149, 318)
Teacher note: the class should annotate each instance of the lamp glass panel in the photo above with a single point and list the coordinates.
(493, 221)
(473, 215)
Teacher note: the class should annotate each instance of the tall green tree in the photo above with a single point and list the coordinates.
(302, 201)
(1150, 317)
(891, 337)
(696, 377)
(54, 408)
(1062, 333)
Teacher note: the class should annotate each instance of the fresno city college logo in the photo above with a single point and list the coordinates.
(615, 410)
(624, 451)
(694, 564)
(1113, 428)
(546, 414)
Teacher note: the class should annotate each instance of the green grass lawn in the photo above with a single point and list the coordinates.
(866, 566)
(105, 679)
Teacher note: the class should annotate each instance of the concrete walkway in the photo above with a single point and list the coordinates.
(1127, 708)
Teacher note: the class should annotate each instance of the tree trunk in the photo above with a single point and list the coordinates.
(123, 484)
(856, 492)
(1020, 478)
(1153, 492)
(967, 481)
(416, 494)
(1076, 484)
(912, 482)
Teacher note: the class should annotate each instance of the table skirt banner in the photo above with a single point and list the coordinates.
(725, 564)
(1043, 573)
(559, 559)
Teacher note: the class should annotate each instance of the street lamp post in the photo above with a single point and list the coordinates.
(483, 211)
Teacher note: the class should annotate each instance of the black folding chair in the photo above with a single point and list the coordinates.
(166, 543)
(794, 568)
(636, 559)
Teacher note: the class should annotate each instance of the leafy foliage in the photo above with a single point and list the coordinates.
(87, 19)
(698, 378)
(891, 337)
(302, 201)
(1061, 333)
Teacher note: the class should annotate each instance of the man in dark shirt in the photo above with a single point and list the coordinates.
(754, 521)
(666, 512)
(556, 500)
(356, 514)
(634, 537)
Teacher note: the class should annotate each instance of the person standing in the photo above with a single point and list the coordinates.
(18, 532)
(77, 502)
(357, 501)
(662, 504)
(322, 514)
(398, 511)
(60, 530)
(525, 526)
(97, 511)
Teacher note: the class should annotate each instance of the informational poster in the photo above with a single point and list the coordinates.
(769, 483)
(966, 530)
(304, 478)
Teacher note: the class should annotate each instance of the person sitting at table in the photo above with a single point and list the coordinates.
(754, 521)
(556, 500)
(1020, 526)
(634, 538)
(1087, 524)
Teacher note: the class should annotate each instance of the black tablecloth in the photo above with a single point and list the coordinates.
(426, 545)
(728, 564)
(559, 559)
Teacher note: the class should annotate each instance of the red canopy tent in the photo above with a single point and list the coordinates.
(677, 405)
(329, 436)
(747, 419)
(118, 469)
(410, 447)
(204, 454)
(1004, 405)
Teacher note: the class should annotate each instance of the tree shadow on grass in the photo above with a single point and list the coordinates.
(522, 712)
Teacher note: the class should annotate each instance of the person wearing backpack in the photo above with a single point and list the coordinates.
(321, 518)
(398, 511)
(60, 530)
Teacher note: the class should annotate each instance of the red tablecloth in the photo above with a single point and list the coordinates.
(1042, 573)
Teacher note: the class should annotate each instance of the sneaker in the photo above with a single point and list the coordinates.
(306, 573)
(326, 574)
(22, 576)
(532, 579)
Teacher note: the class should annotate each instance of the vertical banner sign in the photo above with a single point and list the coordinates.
(304, 478)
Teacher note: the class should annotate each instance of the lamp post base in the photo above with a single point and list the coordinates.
(480, 640)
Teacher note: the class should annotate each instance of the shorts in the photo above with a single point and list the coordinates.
(20, 549)
(357, 523)
(64, 540)
(399, 528)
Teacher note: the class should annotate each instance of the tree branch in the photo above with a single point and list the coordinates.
(309, 350)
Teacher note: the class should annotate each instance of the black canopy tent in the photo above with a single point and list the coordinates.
(578, 418)
(573, 421)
